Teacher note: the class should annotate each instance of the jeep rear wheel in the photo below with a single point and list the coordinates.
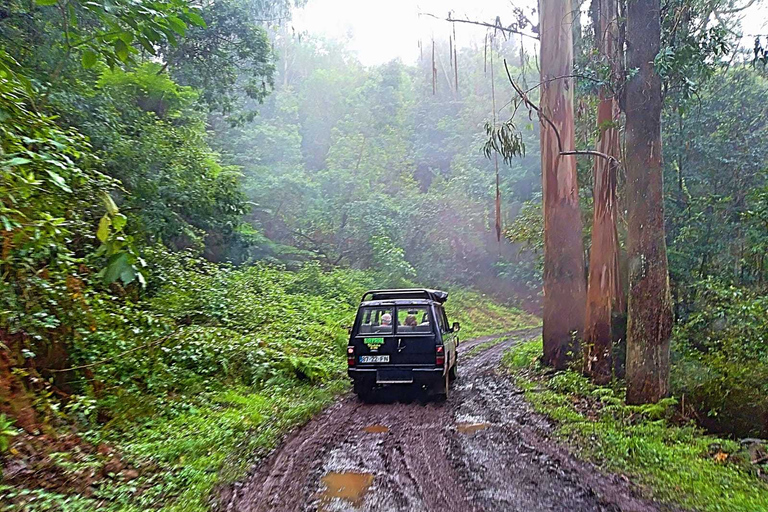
(453, 372)
(445, 386)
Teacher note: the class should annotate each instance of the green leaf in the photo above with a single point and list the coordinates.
(46, 2)
(152, 35)
(103, 232)
(196, 19)
(116, 265)
(89, 59)
(17, 161)
(128, 274)
(177, 25)
(109, 204)
(126, 37)
(146, 44)
(121, 50)
(59, 181)
(119, 222)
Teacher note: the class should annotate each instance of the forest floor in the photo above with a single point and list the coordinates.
(482, 449)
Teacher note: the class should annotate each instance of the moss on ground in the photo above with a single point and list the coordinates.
(673, 463)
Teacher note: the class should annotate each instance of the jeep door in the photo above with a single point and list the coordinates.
(374, 333)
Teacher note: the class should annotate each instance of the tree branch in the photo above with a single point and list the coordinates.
(542, 116)
(590, 152)
(481, 24)
(545, 118)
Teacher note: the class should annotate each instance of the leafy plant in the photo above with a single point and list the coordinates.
(6, 432)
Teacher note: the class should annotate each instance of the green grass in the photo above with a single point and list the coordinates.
(194, 446)
(674, 464)
(479, 315)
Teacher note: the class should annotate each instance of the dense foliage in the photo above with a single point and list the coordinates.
(369, 168)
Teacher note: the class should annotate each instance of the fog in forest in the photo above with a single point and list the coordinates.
(209, 212)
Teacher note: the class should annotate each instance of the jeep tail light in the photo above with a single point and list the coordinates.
(440, 356)
(350, 356)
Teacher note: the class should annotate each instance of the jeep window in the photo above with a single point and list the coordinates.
(376, 320)
(442, 320)
(413, 319)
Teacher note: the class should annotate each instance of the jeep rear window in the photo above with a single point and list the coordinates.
(413, 319)
(376, 320)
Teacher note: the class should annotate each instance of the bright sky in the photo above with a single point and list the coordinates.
(380, 31)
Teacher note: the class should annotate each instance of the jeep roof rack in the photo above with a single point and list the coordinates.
(407, 293)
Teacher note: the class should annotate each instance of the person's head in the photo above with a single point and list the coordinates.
(386, 319)
(410, 321)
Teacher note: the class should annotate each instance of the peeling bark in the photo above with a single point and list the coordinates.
(604, 293)
(564, 280)
(649, 308)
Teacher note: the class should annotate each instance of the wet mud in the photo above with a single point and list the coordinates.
(481, 450)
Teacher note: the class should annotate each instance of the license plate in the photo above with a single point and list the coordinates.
(374, 359)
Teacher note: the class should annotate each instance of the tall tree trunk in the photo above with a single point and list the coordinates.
(650, 313)
(564, 280)
(604, 293)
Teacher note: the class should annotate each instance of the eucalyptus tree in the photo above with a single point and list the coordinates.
(564, 277)
(650, 305)
(605, 296)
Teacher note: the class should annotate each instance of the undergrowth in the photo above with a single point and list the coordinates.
(480, 315)
(183, 387)
(672, 463)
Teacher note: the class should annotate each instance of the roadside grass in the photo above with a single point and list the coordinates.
(182, 454)
(479, 315)
(674, 464)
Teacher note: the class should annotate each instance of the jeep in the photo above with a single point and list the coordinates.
(402, 337)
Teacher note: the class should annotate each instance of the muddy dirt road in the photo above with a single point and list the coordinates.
(481, 450)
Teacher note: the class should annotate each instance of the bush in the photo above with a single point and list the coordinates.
(720, 360)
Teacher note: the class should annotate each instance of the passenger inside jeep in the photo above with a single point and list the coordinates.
(376, 321)
(413, 320)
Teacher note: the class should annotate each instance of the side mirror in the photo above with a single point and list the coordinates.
(348, 328)
(456, 327)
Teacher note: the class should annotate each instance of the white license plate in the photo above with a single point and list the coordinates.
(374, 359)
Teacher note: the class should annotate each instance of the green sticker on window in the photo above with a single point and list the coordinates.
(374, 343)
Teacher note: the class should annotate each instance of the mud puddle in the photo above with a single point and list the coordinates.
(471, 428)
(347, 486)
(376, 429)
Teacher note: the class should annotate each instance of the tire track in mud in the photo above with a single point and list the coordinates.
(482, 449)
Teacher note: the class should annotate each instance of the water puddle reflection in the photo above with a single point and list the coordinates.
(347, 486)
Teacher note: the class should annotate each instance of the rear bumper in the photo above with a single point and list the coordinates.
(417, 375)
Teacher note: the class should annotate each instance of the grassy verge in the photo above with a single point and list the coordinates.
(480, 315)
(179, 456)
(672, 463)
